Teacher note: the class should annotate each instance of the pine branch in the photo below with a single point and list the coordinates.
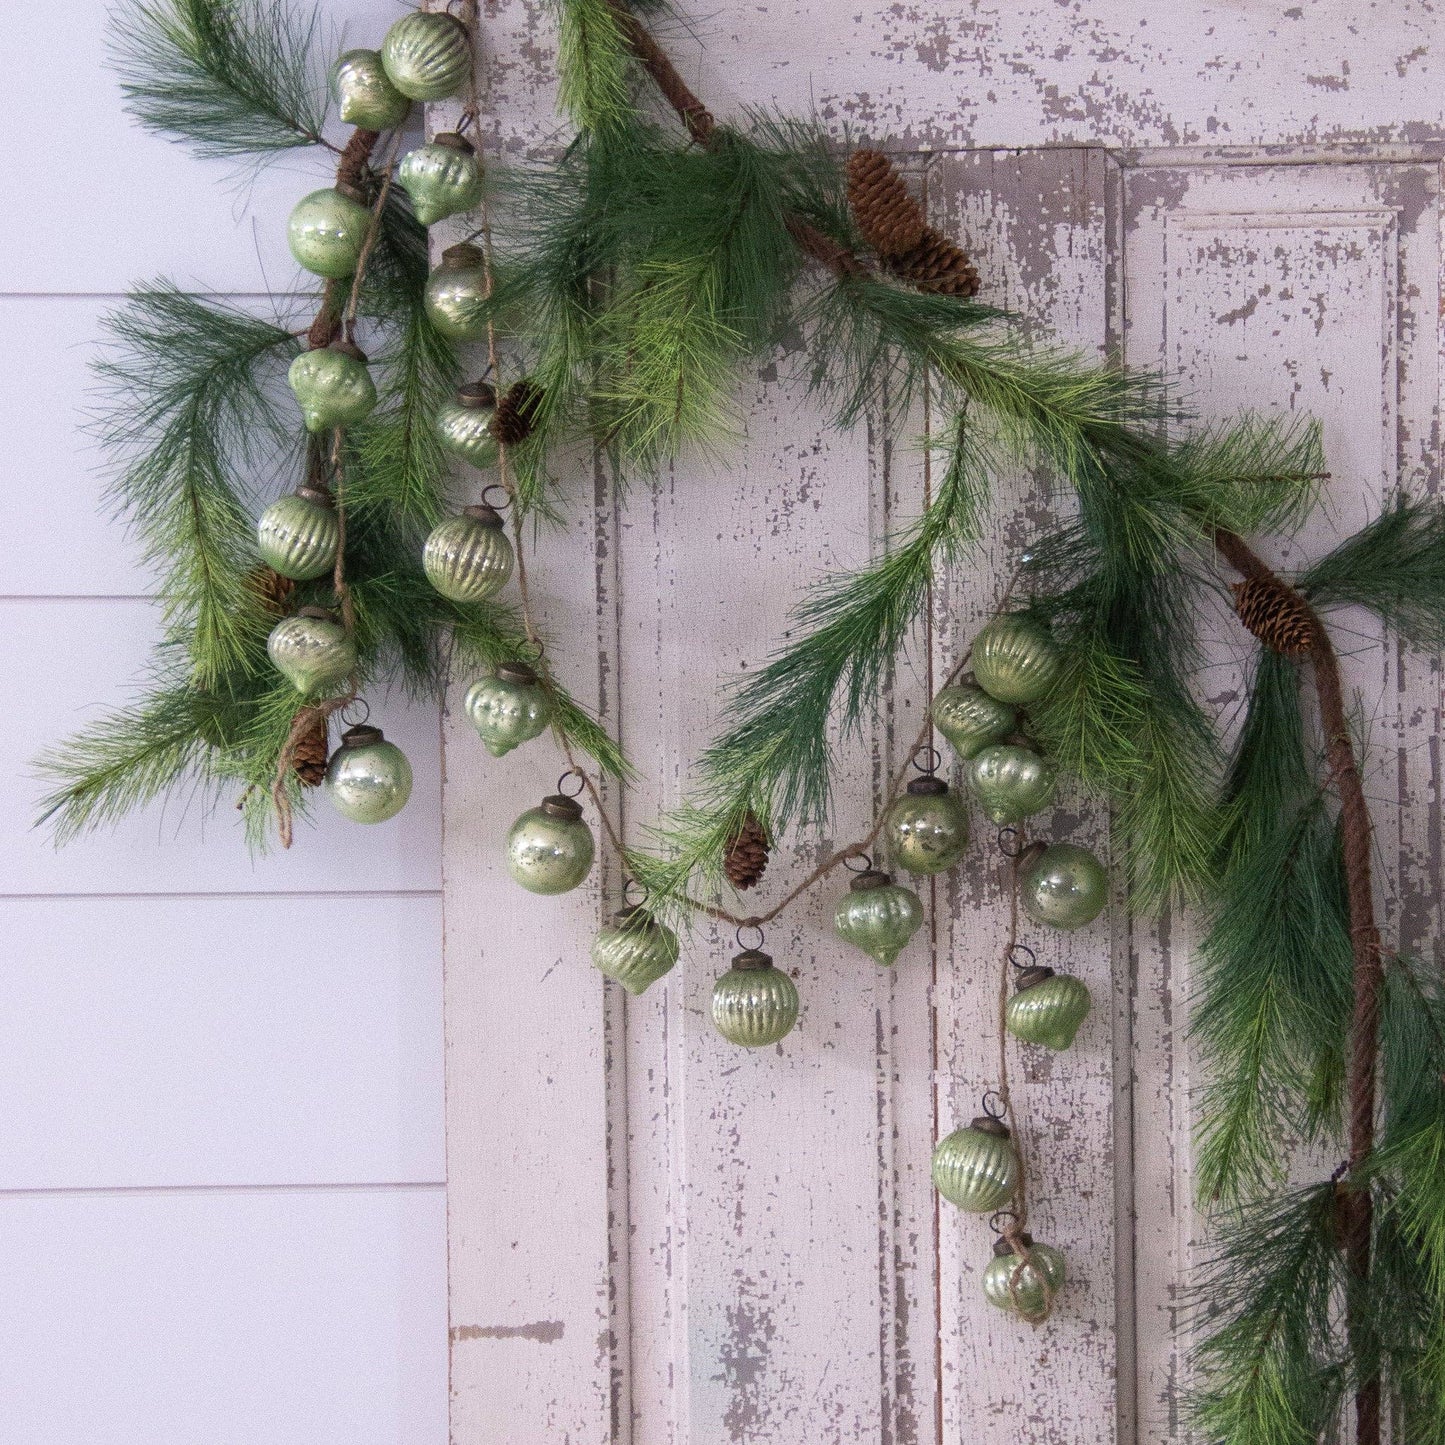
(594, 65)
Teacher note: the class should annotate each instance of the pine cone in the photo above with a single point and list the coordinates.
(310, 755)
(273, 589)
(516, 413)
(1275, 613)
(887, 215)
(746, 857)
(937, 266)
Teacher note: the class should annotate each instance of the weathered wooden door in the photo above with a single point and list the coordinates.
(658, 1240)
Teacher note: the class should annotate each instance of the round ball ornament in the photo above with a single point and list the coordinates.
(1011, 782)
(1047, 1008)
(333, 386)
(509, 708)
(312, 651)
(927, 828)
(970, 719)
(1064, 886)
(455, 296)
(550, 847)
(753, 1003)
(363, 94)
(427, 56)
(298, 535)
(1028, 1292)
(1016, 659)
(327, 231)
(464, 426)
(368, 779)
(636, 950)
(878, 915)
(443, 178)
(976, 1168)
(468, 557)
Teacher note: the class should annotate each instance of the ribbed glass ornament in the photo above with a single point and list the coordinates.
(327, 231)
(1065, 886)
(1030, 1294)
(468, 557)
(970, 719)
(1016, 660)
(550, 847)
(1047, 1008)
(455, 296)
(636, 950)
(368, 779)
(298, 535)
(312, 652)
(976, 1168)
(443, 178)
(927, 828)
(509, 708)
(332, 386)
(363, 94)
(464, 426)
(878, 915)
(1010, 782)
(753, 1003)
(427, 55)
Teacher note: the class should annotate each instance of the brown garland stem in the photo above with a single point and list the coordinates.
(1368, 979)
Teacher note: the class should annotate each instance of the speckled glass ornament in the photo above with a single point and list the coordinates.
(364, 96)
(368, 779)
(464, 426)
(312, 651)
(509, 708)
(970, 719)
(327, 231)
(927, 828)
(636, 950)
(753, 1003)
(427, 55)
(297, 536)
(1016, 660)
(1064, 886)
(333, 386)
(1011, 782)
(976, 1168)
(1047, 1008)
(550, 847)
(455, 297)
(1030, 1294)
(443, 178)
(878, 915)
(468, 557)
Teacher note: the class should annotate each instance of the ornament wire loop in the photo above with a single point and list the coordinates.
(496, 487)
(864, 860)
(1010, 843)
(743, 927)
(347, 712)
(580, 778)
(993, 1104)
(628, 886)
(532, 647)
(932, 754)
(998, 1214)
(1023, 948)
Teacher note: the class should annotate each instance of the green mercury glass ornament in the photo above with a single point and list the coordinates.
(636, 950)
(1031, 1291)
(468, 557)
(927, 828)
(427, 55)
(509, 708)
(443, 178)
(464, 426)
(1011, 782)
(976, 1168)
(1016, 660)
(550, 847)
(327, 231)
(878, 915)
(298, 535)
(312, 651)
(1047, 1007)
(364, 96)
(1064, 886)
(455, 297)
(753, 1003)
(332, 386)
(368, 779)
(970, 719)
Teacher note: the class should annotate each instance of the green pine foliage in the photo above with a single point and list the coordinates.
(595, 68)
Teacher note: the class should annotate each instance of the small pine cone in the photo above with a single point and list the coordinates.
(887, 215)
(937, 266)
(1275, 613)
(311, 753)
(746, 857)
(273, 589)
(516, 413)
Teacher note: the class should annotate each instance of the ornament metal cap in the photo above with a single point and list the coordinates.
(477, 394)
(319, 495)
(869, 879)
(349, 348)
(461, 257)
(324, 613)
(454, 141)
(1002, 1246)
(751, 958)
(628, 918)
(559, 805)
(516, 672)
(363, 735)
(1031, 977)
(927, 786)
(987, 1124)
(487, 516)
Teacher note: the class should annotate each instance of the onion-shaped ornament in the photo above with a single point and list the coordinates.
(1016, 660)
(368, 779)
(312, 651)
(636, 950)
(298, 535)
(1028, 1292)
(427, 55)
(468, 557)
(1011, 782)
(443, 178)
(976, 1168)
(927, 828)
(753, 1003)
(509, 708)
(1047, 1007)
(878, 915)
(1064, 886)
(464, 426)
(327, 231)
(455, 297)
(364, 96)
(332, 386)
(550, 847)
(970, 719)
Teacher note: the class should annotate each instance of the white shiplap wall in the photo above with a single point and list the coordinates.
(222, 1214)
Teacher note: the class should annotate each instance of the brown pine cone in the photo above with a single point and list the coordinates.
(746, 857)
(937, 266)
(516, 413)
(310, 756)
(887, 215)
(272, 588)
(1275, 613)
